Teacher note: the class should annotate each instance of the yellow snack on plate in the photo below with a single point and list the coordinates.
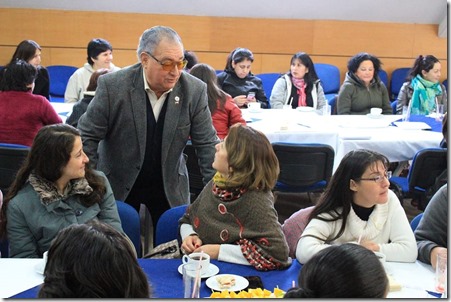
(251, 293)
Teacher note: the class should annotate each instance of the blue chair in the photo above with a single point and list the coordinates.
(445, 83)
(333, 104)
(427, 165)
(131, 224)
(304, 168)
(268, 80)
(398, 77)
(4, 244)
(168, 225)
(11, 159)
(393, 105)
(330, 78)
(416, 221)
(384, 77)
(59, 76)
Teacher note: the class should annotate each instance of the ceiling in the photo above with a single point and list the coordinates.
(399, 11)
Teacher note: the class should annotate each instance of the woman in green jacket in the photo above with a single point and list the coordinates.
(53, 189)
(362, 89)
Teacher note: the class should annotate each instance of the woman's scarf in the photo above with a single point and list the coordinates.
(424, 94)
(223, 193)
(300, 85)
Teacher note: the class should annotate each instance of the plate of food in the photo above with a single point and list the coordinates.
(227, 282)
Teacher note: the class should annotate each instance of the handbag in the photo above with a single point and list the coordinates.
(167, 250)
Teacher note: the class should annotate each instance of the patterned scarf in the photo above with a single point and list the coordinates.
(300, 85)
(220, 190)
(424, 94)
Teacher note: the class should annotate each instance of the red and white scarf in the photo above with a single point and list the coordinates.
(300, 85)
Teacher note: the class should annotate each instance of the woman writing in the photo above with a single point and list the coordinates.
(238, 80)
(300, 87)
(357, 206)
(53, 189)
(233, 219)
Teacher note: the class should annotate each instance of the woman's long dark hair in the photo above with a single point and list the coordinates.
(342, 271)
(49, 154)
(421, 63)
(336, 199)
(93, 260)
(207, 74)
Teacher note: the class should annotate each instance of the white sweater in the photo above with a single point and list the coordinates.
(79, 81)
(387, 225)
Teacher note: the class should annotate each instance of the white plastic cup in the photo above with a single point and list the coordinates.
(440, 111)
(191, 280)
(327, 110)
(195, 257)
(405, 113)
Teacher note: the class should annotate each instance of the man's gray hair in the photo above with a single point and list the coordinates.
(152, 37)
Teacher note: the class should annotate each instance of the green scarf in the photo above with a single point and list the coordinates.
(423, 97)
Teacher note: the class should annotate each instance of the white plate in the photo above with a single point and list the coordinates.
(240, 283)
(305, 109)
(212, 270)
(374, 115)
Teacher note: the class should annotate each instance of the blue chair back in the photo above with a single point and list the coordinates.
(384, 77)
(330, 77)
(333, 104)
(393, 105)
(131, 224)
(168, 225)
(268, 80)
(416, 221)
(398, 77)
(4, 244)
(445, 83)
(59, 76)
(11, 159)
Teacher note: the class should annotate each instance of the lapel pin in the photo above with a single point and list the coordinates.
(177, 100)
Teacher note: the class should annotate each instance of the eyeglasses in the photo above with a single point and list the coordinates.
(379, 178)
(168, 65)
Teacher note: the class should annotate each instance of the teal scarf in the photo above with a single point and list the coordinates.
(424, 94)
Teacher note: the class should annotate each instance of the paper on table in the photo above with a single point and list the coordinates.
(412, 125)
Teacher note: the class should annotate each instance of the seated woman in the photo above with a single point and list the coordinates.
(224, 112)
(81, 106)
(300, 86)
(233, 219)
(432, 232)
(92, 260)
(422, 90)
(238, 80)
(362, 88)
(53, 189)
(30, 52)
(342, 271)
(357, 206)
(22, 113)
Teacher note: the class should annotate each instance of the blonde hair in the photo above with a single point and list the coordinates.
(252, 162)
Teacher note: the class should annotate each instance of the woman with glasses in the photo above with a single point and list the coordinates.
(238, 80)
(358, 207)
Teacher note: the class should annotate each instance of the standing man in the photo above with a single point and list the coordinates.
(137, 125)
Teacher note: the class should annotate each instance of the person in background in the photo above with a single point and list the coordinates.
(238, 80)
(300, 86)
(81, 106)
(224, 112)
(22, 113)
(100, 55)
(30, 52)
(342, 271)
(191, 60)
(432, 231)
(422, 90)
(53, 189)
(362, 88)
(233, 219)
(357, 206)
(137, 126)
(92, 260)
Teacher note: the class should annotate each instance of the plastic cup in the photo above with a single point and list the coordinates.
(405, 113)
(327, 110)
(195, 257)
(441, 272)
(191, 280)
(440, 111)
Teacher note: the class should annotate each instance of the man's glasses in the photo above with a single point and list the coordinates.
(168, 65)
(377, 179)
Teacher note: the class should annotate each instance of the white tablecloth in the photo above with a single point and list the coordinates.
(63, 109)
(343, 132)
(17, 275)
